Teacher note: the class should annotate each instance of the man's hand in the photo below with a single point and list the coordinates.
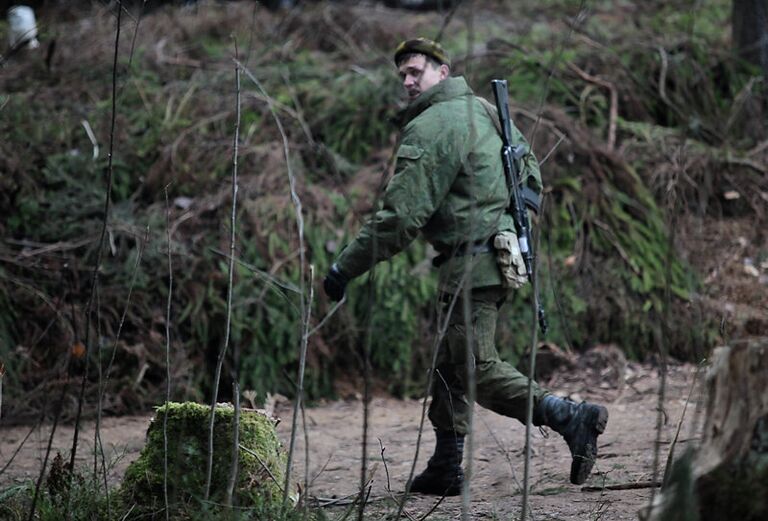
(335, 283)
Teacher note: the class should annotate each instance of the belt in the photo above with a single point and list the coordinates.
(465, 248)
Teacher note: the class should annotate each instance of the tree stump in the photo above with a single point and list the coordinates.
(261, 463)
(727, 478)
(731, 468)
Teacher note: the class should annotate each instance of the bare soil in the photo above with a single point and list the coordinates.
(334, 431)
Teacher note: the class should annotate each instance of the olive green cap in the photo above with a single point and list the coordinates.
(423, 46)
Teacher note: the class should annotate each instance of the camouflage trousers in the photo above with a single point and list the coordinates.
(499, 386)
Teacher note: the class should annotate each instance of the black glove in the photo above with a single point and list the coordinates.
(335, 283)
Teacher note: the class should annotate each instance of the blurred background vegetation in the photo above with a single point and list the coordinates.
(648, 124)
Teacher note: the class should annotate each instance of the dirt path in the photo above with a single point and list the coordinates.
(334, 430)
(626, 453)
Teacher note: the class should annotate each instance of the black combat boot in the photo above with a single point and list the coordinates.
(443, 475)
(580, 425)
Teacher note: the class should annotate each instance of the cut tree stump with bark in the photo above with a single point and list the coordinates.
(727, 477)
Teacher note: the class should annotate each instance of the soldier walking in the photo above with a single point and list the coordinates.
(449, 187)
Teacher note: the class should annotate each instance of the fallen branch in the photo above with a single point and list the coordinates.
(613, 115)
(623, 486)
(345, 500)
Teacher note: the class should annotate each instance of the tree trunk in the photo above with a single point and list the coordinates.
(750, 32)
(727, 478)
(731, 468)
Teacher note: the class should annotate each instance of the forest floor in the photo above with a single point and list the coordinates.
(334, 431)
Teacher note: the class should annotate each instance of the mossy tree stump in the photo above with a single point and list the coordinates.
(261, 462)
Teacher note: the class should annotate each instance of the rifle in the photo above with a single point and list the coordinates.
(510, 158)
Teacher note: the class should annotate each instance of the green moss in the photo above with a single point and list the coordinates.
(187, 433)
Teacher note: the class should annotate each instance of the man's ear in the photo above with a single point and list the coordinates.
(445, 71)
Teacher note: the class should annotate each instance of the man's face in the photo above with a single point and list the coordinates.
(419, 75)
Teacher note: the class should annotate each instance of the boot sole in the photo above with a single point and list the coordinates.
(581, 466)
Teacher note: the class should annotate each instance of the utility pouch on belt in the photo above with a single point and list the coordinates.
(510, 260)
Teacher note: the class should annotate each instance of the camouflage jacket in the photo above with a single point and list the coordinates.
(448, 185)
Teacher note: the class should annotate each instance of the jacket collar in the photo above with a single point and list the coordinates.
(449, 88)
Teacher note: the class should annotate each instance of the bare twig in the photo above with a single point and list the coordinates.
(662, 340)
(235, 384)
(300, 227)
(233, 225)
(95, 274)
(743, 161)
(470, 389)
(103, 382)
(57, 416)
(619, 249)
(298, 403)
(127, 514)
(269, 278)
(671, 453)
(306, 448)
(504, 451)
(446, 20)
(366, 393)
(434, 507)
(264, 465)
(2, 374)
(327, 316)
(235, 443)
(386, 469)
(442, 328)
(441, 332)
(298, 112)
(136, 33)
(23, 441)
(98, 446)
(555, 58)
(59, 407)
(346, 500)
(552, 150)
(167, 354)
(758, 149)
(531, 373)
(468, 308)
(389, 484)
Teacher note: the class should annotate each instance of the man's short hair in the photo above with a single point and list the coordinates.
(434, 52)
